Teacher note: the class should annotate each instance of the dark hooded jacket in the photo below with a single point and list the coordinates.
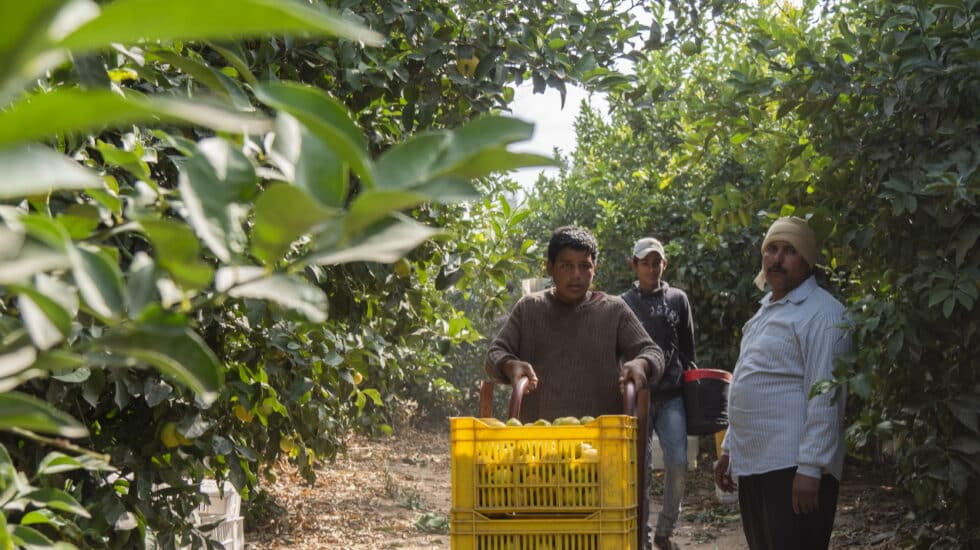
(665, 313)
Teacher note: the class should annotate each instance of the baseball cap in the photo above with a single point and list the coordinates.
(646, 245)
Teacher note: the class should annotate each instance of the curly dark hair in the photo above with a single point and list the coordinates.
(573, 237)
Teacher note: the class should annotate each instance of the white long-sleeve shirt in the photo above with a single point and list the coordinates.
(788, 346)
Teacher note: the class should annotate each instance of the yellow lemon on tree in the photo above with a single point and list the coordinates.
(171, 437)
(402, 268)
(467, 67)
(168, 435)
(242, 413)
(287, 445)
(358, 378)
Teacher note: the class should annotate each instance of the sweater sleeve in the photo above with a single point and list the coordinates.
(506, 344)
(822, 340)
(634, 342)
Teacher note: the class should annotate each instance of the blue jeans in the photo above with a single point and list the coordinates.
(668, 420)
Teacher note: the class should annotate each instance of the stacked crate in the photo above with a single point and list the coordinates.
(570, 487)
(223, 511)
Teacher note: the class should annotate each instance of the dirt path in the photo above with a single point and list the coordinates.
(395, 493)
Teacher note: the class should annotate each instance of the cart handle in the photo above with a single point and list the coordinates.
(629, 398)
(520, 388)
(516, 395)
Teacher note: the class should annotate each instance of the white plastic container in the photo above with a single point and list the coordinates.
(692, 453)
(228, 505)
(230, 533)
(224, 508)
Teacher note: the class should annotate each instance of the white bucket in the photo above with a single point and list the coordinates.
(658, 454)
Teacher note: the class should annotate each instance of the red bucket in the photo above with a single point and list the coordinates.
(706, 400)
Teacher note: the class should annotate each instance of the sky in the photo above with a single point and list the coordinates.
(554, 126)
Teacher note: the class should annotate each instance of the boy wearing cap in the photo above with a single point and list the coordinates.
(786, 449)
(665, 313)
(582, 344)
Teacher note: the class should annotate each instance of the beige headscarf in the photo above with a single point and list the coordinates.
(796, 232)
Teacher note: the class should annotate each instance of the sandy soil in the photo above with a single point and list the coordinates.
(395, 493)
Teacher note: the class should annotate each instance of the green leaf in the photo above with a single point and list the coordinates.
(419, 165)
(939, 295)
(57, 499)
(282, 214)
(478, 135)
(99, 281)
(46, 319)
(80, 220)
(178, 251)
(130, 21)
(965, 240)
(308, 162)
(141, 284)
(47, 230)
(18, 410)
(948, 306)
(56, 463)
(860, 385)
(386, 242)
(325, 117)
(63, 365)
(37, 170)
(28, 537)
(131, 161)
(20, 39)
(14, 359)
(374, 395)
(235, 55)
(177, 352)
(373, 205)
(41, 517)
(499, 159)
(412, 162)
(207, 76)
(156, 391)
(966, 445)
(965, 408)
(42, 116)
(213, 184)
(289, 291)
(6, 541)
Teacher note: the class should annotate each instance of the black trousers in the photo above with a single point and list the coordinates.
(766, 503)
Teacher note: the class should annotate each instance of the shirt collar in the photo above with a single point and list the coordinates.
(662, 288)
(797, 295)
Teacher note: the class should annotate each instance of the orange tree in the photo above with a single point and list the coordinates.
(877, 140)
(861, 117)
(272, 225)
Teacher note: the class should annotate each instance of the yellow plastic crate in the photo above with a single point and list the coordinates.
(602, 530)
(543, 469)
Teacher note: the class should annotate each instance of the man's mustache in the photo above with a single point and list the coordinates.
(776, 269)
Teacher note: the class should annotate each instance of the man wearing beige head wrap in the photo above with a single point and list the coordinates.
(796, 232)
(785, 449)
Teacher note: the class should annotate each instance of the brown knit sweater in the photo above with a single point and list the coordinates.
(576, 352)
